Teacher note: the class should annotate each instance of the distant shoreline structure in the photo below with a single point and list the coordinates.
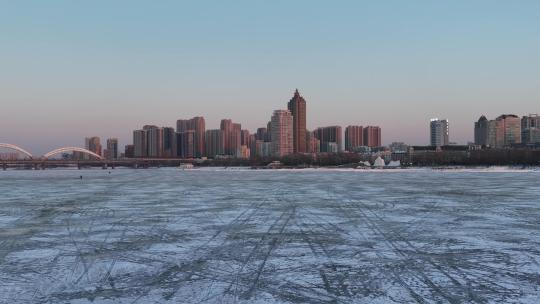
(448, 169)
(329, 162)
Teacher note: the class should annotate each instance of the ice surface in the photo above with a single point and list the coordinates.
(270, 236)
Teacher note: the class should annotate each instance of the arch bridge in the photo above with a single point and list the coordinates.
(16, 148)
(71, 149)
(51, 153)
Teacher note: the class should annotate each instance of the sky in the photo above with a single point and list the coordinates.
(74, 69)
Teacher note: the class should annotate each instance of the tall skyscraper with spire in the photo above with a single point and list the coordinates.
(297, 106)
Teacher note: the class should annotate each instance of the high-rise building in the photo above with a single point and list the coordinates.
(439, 132)
(199, 128)
(215, 143)
(236, 140)
(198, 125)
(504, 131)
(282, 133)
(252, 144)
(258, 148)
(185, 144)
(481, 131)
(140, 146)
(297, 107)
(331, 134)
(492, 134)
(245, 138)
(183, 125)
(487, 133)
(129, 151)
(372, 136)
(169, 142)
(93, 144)
(508, 130)
(147, 141)
(112, 148)
(313, 145)
(226, 127)
(269, 132)
(354, 137)
(530, 129)
(155, 141)
(232, 133)
(262, 134)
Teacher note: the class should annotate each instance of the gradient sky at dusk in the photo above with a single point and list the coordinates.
(71, 69)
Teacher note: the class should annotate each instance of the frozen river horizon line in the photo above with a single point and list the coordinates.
(473, 169)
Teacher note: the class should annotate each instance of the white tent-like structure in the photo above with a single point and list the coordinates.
(379, 162)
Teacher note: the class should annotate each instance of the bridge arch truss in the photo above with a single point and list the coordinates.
(16, 148)
(72, 149)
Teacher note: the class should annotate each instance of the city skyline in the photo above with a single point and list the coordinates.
(285, 133)
(125, 140)
(72, 70)
(172, 142)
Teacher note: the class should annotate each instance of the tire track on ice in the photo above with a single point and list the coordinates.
(419, 274)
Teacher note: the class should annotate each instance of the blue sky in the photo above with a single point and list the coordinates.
(71, 69)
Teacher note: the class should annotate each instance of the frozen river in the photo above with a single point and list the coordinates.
(263, 236)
